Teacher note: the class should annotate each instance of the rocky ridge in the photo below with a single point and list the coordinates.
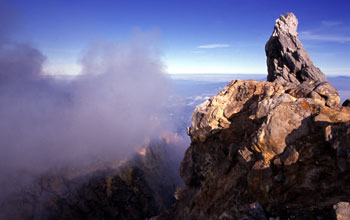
(269, 150)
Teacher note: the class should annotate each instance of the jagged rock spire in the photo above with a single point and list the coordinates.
(287, 60)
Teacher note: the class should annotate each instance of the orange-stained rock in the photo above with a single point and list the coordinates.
(260, 142)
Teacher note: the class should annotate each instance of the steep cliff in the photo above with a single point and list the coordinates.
(269, 150)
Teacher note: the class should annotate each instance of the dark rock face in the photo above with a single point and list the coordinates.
(287, 60)
(269, 150)
(346, 103)
(140, 188)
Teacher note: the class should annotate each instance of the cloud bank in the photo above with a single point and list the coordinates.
(102, 115)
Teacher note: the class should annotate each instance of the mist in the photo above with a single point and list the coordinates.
(103, 115)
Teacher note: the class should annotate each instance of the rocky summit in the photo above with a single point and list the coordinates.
(269, 150)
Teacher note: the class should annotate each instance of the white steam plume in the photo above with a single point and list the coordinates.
(104, 114)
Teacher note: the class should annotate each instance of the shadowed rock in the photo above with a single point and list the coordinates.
(346, 103)
(139, 188)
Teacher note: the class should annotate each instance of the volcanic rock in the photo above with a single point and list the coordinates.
(342, 210)
(289, 63)
(287, 60)
(269, 150)
(346, 103)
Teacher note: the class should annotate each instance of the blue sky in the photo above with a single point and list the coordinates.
(205, 36)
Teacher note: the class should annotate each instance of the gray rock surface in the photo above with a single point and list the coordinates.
(289, 64)
(287, 60)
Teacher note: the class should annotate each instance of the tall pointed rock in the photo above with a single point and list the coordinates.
(287, 60)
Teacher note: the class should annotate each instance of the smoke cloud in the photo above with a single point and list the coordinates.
(104, 114)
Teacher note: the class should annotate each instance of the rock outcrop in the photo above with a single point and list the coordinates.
(269, 150)
(289, 64)
(287, 60)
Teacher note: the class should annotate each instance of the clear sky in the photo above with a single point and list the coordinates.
(204, 36)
